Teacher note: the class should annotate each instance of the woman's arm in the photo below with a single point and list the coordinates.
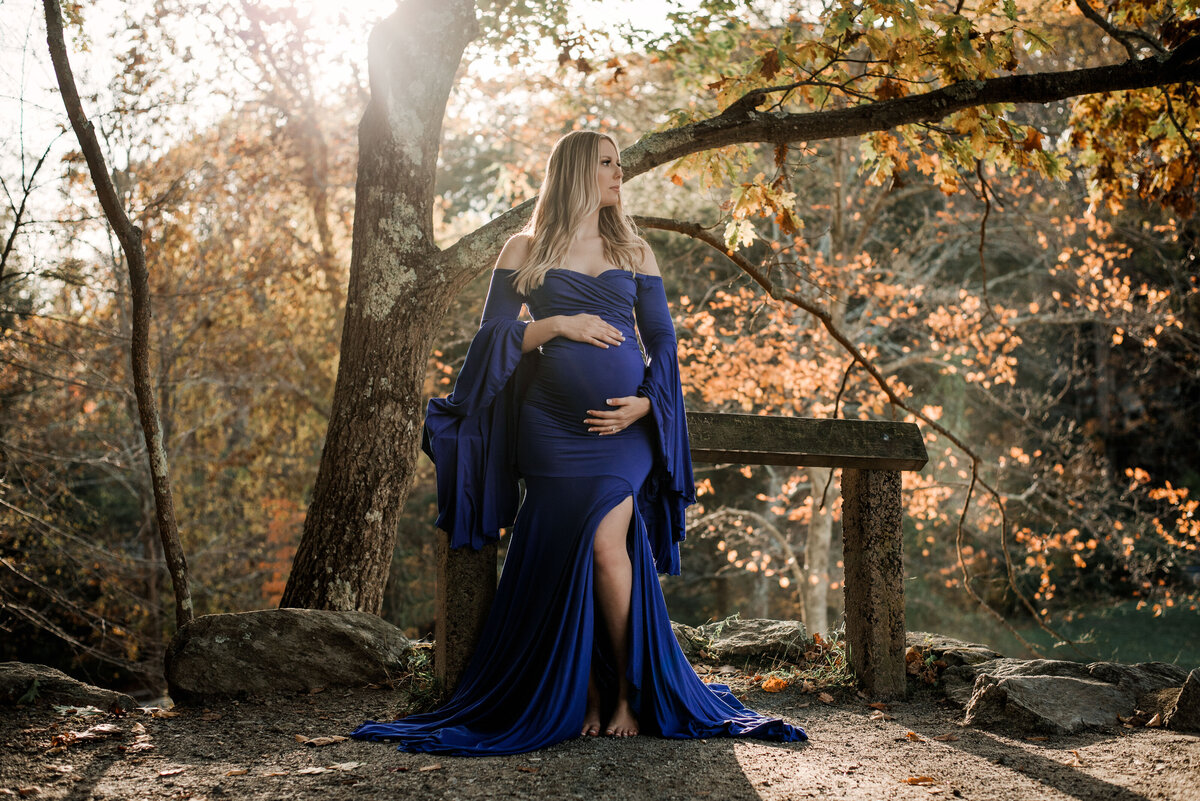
(504, 300)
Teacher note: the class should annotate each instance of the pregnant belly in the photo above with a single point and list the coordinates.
(573, 377)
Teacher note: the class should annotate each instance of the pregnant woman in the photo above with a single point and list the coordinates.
(578, 640)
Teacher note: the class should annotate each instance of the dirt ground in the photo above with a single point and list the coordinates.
(249, 750)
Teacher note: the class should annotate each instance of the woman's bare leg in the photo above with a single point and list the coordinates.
(591, 721)
(614, 585)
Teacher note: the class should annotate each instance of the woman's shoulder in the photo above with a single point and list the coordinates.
(647, 265)
(514, 252)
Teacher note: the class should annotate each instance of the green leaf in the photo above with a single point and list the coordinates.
(1010, 9)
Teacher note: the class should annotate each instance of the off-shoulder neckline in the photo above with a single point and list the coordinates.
(585, 275)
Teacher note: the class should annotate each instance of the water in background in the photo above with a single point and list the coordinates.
(1117, 632)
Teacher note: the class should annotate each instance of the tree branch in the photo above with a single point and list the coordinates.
(472, 254)
(130, 237)
(1182, 64)
(700, 233)
(1123, 36)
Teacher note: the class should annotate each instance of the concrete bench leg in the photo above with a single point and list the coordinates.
(871, 524)
(466, 585)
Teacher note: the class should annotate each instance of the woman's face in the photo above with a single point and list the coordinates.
(608, 174)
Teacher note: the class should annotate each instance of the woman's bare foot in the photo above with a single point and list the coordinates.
(591, 722)
(591, 719)
(622, 723)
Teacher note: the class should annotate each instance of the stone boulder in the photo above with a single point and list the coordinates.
(949, 650)
(738, 640)
(690, 641)
(1054, 696)
(39, 684)
(1184, 713)
(282, 650)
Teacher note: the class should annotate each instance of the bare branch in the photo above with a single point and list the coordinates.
(1123, 36)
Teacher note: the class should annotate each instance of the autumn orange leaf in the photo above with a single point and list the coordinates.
(774, 684)
(922, 781)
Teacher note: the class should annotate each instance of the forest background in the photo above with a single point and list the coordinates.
(1042, 309)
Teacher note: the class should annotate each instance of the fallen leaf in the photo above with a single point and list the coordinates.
(211, 716)
(1154, 722)
(946, 738)
(306, 771)
(1037, 739)
(171, 771)
(1078, 763)
(276, 773)
(159, 712)
(912, 735)
(527, 769)
(61, 741)
(315, 690)
(882, 707)
(24, 792)
(78, 711)
(434, 766)
(774, 684)
(345, 765)
(140, 743)
(237, 772)
(319, 741)
(880, 716)
(922, 781)
(825, 697)
(137, 728)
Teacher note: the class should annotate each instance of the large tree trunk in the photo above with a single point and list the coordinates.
(398, 293)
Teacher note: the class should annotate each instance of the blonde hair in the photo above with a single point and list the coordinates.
(568, 194)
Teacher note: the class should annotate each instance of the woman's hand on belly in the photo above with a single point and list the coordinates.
(629, 410)
(589, 328)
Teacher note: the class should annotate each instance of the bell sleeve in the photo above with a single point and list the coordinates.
(670, 487)
(471, 434)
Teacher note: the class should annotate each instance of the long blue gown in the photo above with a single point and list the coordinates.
(521, 415)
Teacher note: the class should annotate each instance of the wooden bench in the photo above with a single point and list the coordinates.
(871, 453)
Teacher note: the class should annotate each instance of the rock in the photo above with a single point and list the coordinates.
(54, 686)
(958, 682)
(1048, 704)
(1054, 696)
(951, 651)
(737, 640)
(1139, 679)
(1184, 714)
(282, 650)
(690, 640)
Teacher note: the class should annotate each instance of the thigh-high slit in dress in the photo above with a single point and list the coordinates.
(514, 415)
